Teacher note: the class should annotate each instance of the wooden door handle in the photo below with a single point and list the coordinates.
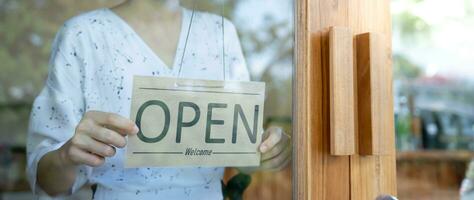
(374, 94)
(341, 91)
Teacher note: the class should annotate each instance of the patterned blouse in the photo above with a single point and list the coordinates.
(94, 58)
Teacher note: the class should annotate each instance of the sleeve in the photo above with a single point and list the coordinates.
(60, 105)
(235, 60)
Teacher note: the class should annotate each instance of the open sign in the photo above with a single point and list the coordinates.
(185, 122)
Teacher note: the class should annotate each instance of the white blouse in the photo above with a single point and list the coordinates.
(94, 58)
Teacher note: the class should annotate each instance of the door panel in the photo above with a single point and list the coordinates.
(318, 175)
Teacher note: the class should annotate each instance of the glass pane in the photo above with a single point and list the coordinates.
(100, 45)
(434, 101)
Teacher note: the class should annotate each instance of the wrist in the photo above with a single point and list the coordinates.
(63, 159)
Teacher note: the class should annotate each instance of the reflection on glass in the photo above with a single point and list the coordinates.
(256, 44)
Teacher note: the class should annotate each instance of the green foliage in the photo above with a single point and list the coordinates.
(469, 7)
(13, 125)
(403, 68)
(27, 29)
(411, 27)
(402, 125)
(18, 53)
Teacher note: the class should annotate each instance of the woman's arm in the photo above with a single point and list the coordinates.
(55, 176)
(96, 136)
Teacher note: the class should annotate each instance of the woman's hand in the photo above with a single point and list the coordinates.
(275, 149)
(96, 137)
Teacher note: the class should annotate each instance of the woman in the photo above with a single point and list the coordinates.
(78, 125)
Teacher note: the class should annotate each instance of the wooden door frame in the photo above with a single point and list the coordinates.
(316, 174)
(300, 101)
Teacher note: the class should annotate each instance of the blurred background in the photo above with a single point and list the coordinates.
(433, 63)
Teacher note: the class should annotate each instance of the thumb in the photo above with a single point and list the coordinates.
(274, 136)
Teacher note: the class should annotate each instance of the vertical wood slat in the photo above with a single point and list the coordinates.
(301, 149)
(372, 176)
(372, 94)
(341, 91)
(328, 175)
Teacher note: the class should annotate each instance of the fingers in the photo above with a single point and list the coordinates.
(108, 136)
(79, 156)
(277, 149)
(279, 162)
(96, 137)
(116, 122)
(90, 145)
(274, 136)
(283, 165)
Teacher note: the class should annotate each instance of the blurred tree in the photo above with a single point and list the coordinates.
(469, 7)
(412, 29)
(403, 68)
(27, 28)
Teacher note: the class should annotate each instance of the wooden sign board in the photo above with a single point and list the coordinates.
(186, 122)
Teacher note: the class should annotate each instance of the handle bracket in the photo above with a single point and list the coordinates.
(341, 91)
